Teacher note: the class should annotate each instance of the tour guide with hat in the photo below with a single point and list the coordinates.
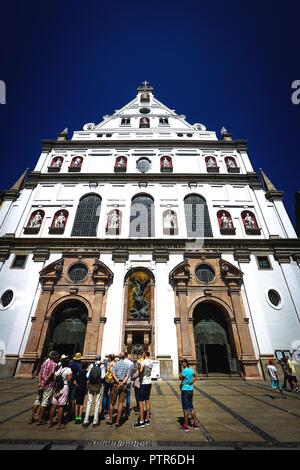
(45, 387)
(75, 366)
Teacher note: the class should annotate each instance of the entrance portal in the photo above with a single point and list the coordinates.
(67, 329)
(212, 340)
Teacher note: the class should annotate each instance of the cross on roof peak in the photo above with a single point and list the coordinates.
(145, 86)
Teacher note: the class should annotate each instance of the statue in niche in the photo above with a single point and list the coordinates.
(60, 221)
(113, 220)
(58, 163)
(36, 221)
(231, 163)
(249, 222)
(166, 162)
(121, 162)
(77, 162)
(226, 221)
(211, 162)
(170, 220)
(140, 306)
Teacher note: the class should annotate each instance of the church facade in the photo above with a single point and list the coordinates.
(147, 232)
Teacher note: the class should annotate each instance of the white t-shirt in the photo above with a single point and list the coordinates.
(64, 372)
(130, 366)
(272, 372)
(148, 366)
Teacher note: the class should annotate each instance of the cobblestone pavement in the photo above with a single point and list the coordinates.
(233, 414)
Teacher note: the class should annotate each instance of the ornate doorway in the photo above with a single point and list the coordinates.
(214, 352)
(67, 328)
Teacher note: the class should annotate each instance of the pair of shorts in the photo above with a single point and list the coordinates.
(61, 398)
(187, 400)
(80, 396)
(44, 397)
(118, 394)
(145, 392)
(72, 392)
(275, 384)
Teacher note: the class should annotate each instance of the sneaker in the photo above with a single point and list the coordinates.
(109, 423)
(118, 425)
(184, 428)
(196, 426)
(140, 425)
(85, 425)
(95, 425)
(147, 422)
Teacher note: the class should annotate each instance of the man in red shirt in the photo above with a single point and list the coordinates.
(45, 387)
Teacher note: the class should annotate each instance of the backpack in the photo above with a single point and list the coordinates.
(109, 376)
(59, 382)
(95, 376)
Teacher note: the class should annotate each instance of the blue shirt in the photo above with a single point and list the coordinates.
(187, 383)
(75, 367)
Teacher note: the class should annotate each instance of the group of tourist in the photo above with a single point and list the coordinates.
(63, 385)
(289, 374)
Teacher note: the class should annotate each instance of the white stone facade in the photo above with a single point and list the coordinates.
(98, 146)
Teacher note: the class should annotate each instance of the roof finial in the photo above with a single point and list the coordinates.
(145, 87)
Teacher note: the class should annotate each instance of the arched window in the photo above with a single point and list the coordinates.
(197, 216)
(170, 222)
(76, 164)
(231, 165)
(35, 222)
(142, 216)
(121, 164)
(166, 164)
(225, 223)
(144, 122)
(59, 222)
(211, 165)
(114, 222)
(56, 164)
(87, 216)
(250, 223)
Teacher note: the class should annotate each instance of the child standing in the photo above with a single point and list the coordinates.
(188, 377)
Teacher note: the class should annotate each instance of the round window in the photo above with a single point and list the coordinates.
(274, 297)
(145, 110)
(78, 272)
(205, 273)
(7, 298)
(143, 165)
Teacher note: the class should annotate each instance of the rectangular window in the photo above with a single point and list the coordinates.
(19, 262)
(125, 122)
(263, 262)
(164, 121)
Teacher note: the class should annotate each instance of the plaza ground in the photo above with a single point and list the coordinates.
(234, 414)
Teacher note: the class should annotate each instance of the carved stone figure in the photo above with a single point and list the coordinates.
(211, 163)
(249, 222)
(170, 220)
(231, 163)
(77, 162)
(113, 220)
(141, 306)
(226, 222)
(58, 163)
(36, 221)
(121, 162)
(60, 221)
(166, 162)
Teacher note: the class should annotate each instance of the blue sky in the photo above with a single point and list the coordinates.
(222, 63)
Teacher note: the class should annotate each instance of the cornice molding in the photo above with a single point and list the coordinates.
(252, 179)
(288, 246)
(49, 144)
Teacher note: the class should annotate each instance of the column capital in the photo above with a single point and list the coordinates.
(120, 256)
(41, 255)
(242, 256)
(160, 256)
